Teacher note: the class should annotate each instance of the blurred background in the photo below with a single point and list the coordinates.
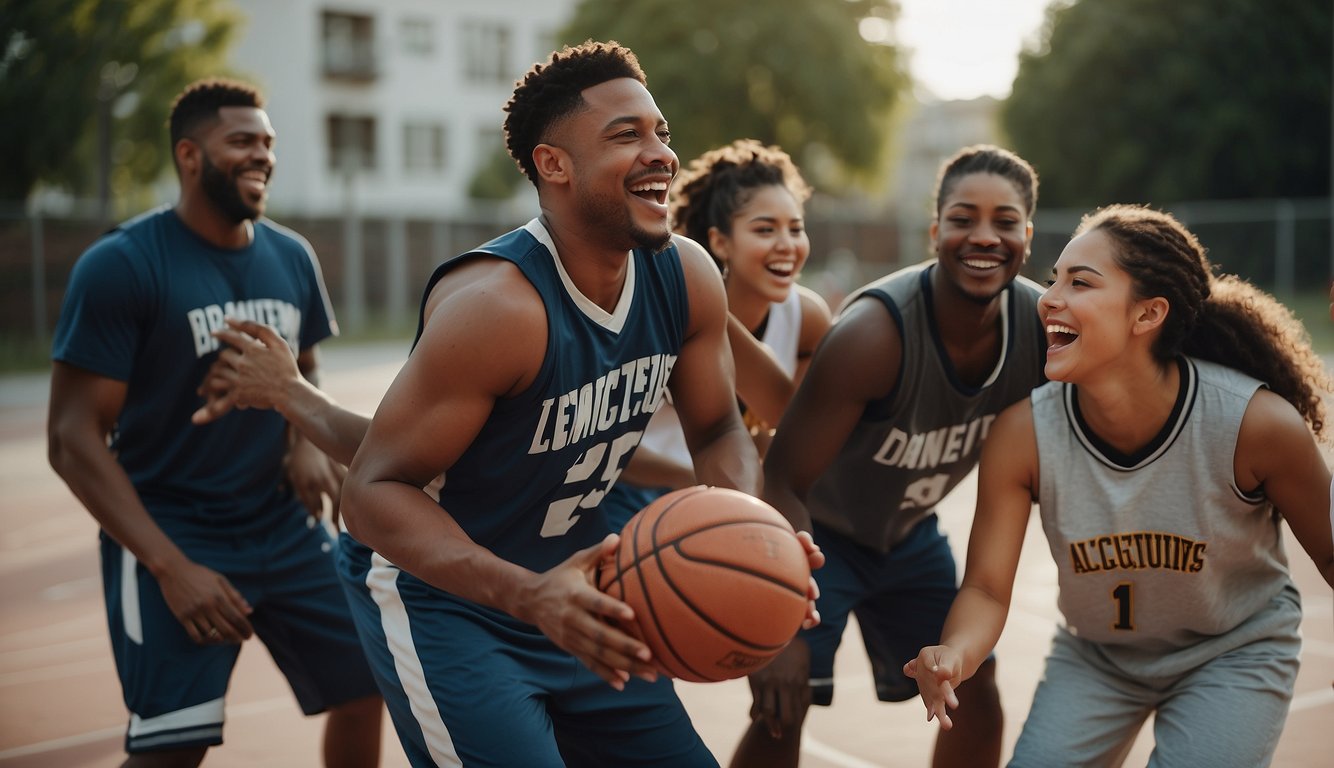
(390, 150)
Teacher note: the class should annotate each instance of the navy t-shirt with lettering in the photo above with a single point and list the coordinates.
(139, 308)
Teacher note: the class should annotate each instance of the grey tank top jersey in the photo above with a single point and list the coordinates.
(1160, 555)
(911, 448)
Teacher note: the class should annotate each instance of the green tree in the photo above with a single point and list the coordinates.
(1152, 101)
(792, 72)
(87, 85)
(497, 178)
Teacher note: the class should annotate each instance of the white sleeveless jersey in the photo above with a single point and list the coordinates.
(1160, 555)
(782, 334)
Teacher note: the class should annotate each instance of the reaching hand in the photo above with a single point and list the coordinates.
(252, 372)
(567, 606)
(206, 604)
(937, 670)
(781, 690)
(314, 476)
(816, 560)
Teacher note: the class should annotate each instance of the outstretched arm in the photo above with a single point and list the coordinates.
(258, 370)
(842, 379)
(1007, 484)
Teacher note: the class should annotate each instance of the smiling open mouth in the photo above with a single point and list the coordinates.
(1061, 335)
(653, 190)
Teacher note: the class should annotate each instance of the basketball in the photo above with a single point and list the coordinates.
(717, 580)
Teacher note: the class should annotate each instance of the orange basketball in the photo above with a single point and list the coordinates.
(717, 580)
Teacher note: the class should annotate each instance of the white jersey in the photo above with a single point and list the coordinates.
(1160, 555)
(782, 333)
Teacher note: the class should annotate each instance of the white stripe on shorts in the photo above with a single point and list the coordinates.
(208, 713)
(382, 581)
(129, 597)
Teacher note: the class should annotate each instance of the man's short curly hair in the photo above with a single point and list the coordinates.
(200, 101)
(553, 90)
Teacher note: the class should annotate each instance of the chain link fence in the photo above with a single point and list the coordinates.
(375, 267)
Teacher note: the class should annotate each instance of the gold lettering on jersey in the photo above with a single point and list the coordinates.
(620, 394)
(1140, 550)
(928, 450)
(284, 317)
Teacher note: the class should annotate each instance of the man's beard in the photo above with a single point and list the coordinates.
(221, 190)
(653, 241)
(615, 217)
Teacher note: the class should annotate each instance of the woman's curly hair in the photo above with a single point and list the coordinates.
(1220, 318)
(715, 185)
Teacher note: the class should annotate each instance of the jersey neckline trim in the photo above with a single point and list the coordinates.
(1155, 448)
(612, 321)
(942, 356)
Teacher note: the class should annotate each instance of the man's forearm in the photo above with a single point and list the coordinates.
(329, 426)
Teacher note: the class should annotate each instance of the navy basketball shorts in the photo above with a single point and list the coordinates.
(900, 599)
(173, 687)
(466, 685)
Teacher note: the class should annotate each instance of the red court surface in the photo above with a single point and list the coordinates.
(60, 701)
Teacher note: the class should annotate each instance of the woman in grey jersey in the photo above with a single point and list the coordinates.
(1177, 423)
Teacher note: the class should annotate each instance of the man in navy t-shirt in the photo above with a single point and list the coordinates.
(203, 543)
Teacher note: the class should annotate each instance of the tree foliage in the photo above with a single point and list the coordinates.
(1151, 101)
(65, 64)
(792, 72)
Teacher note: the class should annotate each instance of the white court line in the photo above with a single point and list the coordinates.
(88, 737)
(1312, 700)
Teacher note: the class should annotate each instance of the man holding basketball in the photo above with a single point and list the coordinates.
(540, 357)
(202, 543)
(890, 417)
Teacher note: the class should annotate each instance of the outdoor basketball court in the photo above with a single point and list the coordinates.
(60, 700)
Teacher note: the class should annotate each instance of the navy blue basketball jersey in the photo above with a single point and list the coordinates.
(530, 485)
(139, 308)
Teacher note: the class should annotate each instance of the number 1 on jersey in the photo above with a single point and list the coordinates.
(1125, 614)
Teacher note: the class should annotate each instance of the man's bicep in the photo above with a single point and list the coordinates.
(80, 397)
(703, 382)
(466, 359)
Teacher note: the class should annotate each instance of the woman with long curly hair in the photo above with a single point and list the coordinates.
(1176, 433)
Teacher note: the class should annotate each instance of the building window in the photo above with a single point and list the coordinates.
(423, 147)
(349, 45)
(486, 52)
(418, 36)
(351, 143)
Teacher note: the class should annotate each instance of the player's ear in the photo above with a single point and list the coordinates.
(1150, 314)
(188, 157)
(719, 244)
(552, 163)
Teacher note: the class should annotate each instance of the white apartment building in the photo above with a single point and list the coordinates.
(388, 107)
